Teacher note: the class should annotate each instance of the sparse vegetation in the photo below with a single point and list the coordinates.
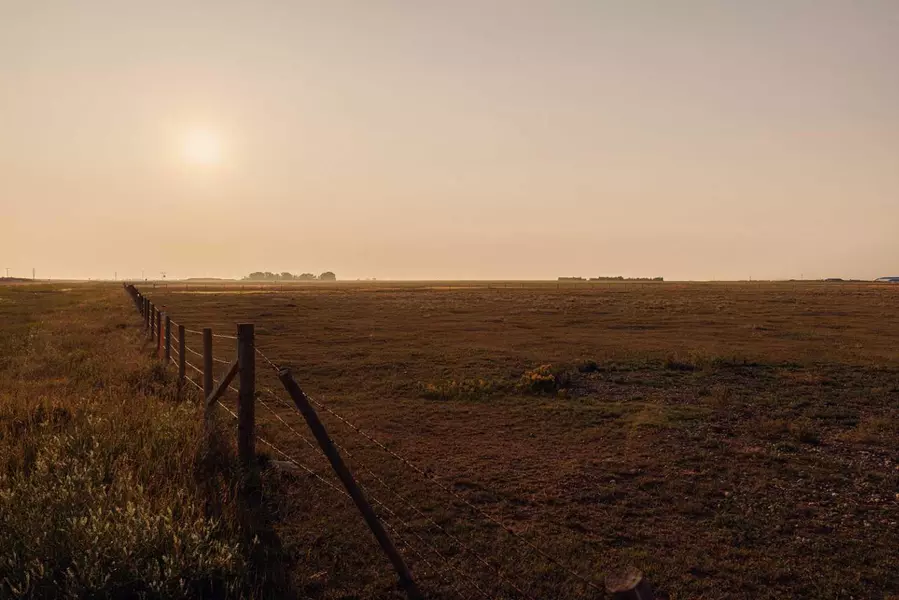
(750, 431)
(99, 495)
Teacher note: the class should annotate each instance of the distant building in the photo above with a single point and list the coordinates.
(887, 280)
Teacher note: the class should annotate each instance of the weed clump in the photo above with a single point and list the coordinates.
(544, 380)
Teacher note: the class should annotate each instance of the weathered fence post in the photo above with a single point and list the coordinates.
(207, 361)
(629, 585)
(246, 402)
(168, 339)
(371, 519)
(181, 357)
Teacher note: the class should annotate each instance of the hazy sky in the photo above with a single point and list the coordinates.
(435, 139)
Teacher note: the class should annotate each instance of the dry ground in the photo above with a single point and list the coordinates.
(730, 440)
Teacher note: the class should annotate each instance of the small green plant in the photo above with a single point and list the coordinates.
(544, 380)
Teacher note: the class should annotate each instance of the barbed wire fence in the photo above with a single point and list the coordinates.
(455, 563)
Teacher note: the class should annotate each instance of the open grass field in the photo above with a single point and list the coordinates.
(730, 440)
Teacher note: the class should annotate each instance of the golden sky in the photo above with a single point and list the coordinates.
(467, 139)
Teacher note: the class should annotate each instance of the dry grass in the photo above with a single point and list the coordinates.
(107, 484)
(730, 440)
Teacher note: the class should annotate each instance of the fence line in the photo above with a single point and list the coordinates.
(159, 324)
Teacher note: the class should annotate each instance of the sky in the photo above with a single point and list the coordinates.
(426, 139)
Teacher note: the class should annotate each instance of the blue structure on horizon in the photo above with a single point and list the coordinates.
(887, 279)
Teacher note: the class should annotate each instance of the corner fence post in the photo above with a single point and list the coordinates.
(181, 357)
(346, 478)
(246, 402)
(168, 339)
(207, 362)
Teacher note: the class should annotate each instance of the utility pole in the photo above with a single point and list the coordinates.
(115, 276)
(32, 274)
(7, 272)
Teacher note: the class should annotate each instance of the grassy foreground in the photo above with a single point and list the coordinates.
(107, 486)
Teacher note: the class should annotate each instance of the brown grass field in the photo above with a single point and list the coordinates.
(730, 440)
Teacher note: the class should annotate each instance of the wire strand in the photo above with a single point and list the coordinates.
(194, 367)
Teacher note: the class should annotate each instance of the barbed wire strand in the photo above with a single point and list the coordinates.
(192, 351)
(194, 367)
(266, 358)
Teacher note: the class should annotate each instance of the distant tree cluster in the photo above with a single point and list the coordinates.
(617, 278)
(620, 278)
(287, 276)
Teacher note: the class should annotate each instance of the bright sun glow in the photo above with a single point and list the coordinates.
(202, 147)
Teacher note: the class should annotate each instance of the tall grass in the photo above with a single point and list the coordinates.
(107, 486)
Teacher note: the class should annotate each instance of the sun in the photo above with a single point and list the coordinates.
(202, 147)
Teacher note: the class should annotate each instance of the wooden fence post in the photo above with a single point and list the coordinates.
(168, 339)
(207, 361)
(246, 402)
(181, 357)
(371, 519)
(152, 321)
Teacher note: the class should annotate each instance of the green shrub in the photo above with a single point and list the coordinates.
(544, 380)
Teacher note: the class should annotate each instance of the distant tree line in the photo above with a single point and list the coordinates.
(617, 278)
(287, 276)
